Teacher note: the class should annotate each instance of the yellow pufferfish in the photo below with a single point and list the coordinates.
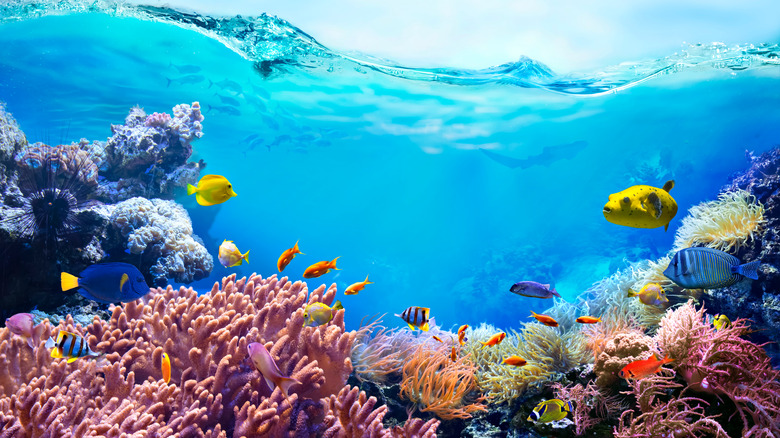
(642, 207)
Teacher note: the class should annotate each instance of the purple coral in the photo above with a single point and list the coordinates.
(157, 120)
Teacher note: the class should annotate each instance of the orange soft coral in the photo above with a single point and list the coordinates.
(438, 385)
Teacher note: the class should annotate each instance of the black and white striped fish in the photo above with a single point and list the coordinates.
(416, 317)
(70, 345)
(707, 268)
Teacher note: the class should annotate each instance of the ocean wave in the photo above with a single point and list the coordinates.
(273, 44)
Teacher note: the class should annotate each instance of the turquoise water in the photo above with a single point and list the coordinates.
(381, 165)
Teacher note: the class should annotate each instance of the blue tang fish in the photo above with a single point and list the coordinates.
(108, 283)
(707, 268)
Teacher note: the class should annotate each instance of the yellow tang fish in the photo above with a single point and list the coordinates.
(230, 256)
(652, 294)
(721, 321)
(550, 410)
(211, 190)
(317, 314)
(70, 345)
(642, 207)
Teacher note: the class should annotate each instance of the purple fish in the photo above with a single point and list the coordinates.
(22, 324)
(533, 289)
(267, 367)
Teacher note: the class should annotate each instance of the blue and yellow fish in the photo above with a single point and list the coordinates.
(70, 345)
(108, 283)
(550, 410)
(707, 268)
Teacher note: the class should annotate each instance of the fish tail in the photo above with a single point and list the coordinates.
(332, 264)
(749, 270)
(296, 250)
(68, 281)
(284, 384)
(244, 256)
(568, 407)
(169, 82)
(191, 189)
(338, 306)
(368, 282)
(555, 292)
(631, 293)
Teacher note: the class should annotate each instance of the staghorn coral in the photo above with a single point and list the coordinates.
(438, 385)
(163, 230)
(727, 224)
(724, 363)
(215, 391)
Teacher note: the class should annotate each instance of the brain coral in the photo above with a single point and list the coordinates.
(163, 229)
(65, 162)
(619, 351)
(726, 224)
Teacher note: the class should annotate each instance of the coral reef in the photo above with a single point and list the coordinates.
(727, 224)
(161, 231)
(12, 138)
(215, 391)
(591, 404)
(619, 350)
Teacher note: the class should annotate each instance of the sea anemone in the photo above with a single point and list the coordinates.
(726, 224)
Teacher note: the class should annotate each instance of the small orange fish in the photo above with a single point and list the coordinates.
(545, 319)
(166, 367)
(514, 360)
(287, 257)
(494, 340)
(462, 334)
(588, 320)
(354, 288)
(437, 338)
(640, 369)
(320, 268)
(454, 355)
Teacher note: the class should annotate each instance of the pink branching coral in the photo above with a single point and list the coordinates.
(723, 363)
(677, 417)
(591, 405)
(215, 390)
(157, 120)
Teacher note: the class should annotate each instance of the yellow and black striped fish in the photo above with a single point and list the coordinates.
(707, 268)
(70, 345)
(416, 317)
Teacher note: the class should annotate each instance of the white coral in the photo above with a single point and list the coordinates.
(187, 121)
(164, 226)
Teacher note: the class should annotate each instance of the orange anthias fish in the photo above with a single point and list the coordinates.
(588, 320)
(640, 369)
(494, 340)
(437, 338)
(454, 355)
(287, 257)
(354, 288)
(514, 360)
(545, 319)
(320, 268)
(462, 334)
(166, 367)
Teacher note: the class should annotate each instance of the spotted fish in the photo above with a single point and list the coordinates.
(707, 268)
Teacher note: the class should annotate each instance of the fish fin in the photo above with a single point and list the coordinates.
(669, 185)
(749, 270)
(337, 305)
(203, 201)
(30, 342)
(546, 286)
(191, 189)
(49, 343)
(631, 293)
(655, 203)
(68, 281)
(666, 227)
(332, 264)
(569, 407)
(72, 359)
(366, 281)
(555, 292)
(285, 383)
(244, 256)
(424, 327)
(410, 326)
(270, 383)
(56, 353)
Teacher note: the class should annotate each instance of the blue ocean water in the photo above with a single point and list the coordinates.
(382, 166)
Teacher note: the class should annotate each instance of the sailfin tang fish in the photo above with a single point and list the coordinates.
(642, 207)
(707, 268)
(107, 283)
(69, 345)
(416, 317)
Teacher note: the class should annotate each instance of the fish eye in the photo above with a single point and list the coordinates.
(230, 186)
(627, 200)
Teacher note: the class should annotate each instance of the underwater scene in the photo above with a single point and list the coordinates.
(220, 227)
